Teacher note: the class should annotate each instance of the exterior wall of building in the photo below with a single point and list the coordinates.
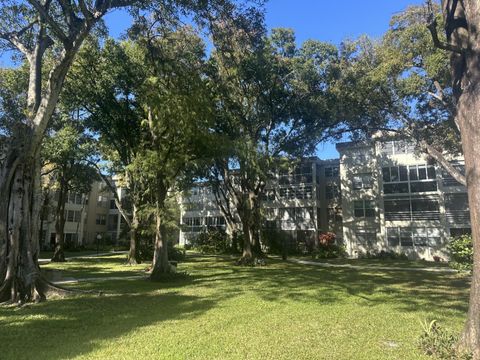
(396, 200)
(87, 216)
(300, 202)
(198, 211)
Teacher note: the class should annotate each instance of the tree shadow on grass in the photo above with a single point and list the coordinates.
(65, 328)
(406, 290)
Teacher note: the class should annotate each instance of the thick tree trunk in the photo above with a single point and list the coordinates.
(468, 116)
(160, 265)
(59, 253)
(247, 253)
(462, 24)
(19, 189)
(133, 255)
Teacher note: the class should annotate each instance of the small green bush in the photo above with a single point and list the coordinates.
(383, 255)
(440, 343)
(212, 241)
(330, 251)
(461, 253)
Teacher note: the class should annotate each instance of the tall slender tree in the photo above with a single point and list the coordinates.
(175, 134)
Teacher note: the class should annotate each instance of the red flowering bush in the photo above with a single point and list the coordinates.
(326, 239)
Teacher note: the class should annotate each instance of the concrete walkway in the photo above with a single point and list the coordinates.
(76, 281)
(372, 267)
(47, 261)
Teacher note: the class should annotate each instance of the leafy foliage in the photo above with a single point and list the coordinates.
(440, 343)
(212, 241)
(461, 252)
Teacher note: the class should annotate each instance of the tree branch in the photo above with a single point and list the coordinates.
(438, 156)
(57, 30)
(432, 26)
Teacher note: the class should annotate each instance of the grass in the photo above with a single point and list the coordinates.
(379, 262)
(280, 311)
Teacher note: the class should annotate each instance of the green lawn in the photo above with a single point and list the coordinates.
(378, 262)
(281, 311)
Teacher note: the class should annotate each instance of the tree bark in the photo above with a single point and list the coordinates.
(19, 187)
(20, 192)
(160, 263)
(59, 254)
(468, 117)
(462, 26)
(133, 255)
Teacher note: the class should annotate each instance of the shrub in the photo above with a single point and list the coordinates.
(326, 239)
(212, 241)
(440, 343)
(461, 253)
(327, 249)
(383, 255)
(146, 251)
(329, 252)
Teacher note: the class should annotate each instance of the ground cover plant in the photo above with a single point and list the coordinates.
(221, 311)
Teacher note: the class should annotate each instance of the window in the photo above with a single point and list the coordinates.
(362, 181)
(102, 201)
(403, 179)
(332, 191)
(70, 238)
(101, 219)
(364, 208)
(334, 216)
(409, 237)
(448, 179)
(72, 215)
(460, 231)
(366, 237)
(112, 204)
(457, 209)
(393, 238)
(112, 222)
(287, 193)
(397, 209)
(332, 171)
(425, 208)
(416, 208)
(406, 237)
(303, 192)
(397, 147)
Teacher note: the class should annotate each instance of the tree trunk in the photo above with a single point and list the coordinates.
(133, 255)
(59, 254)
(247, 254)
(160, 265)
(468, 116)
(19, 189)
(462, 24)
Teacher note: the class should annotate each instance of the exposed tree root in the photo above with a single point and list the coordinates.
(259, 260)
(245, 261)
(42, 289)
(132, 261)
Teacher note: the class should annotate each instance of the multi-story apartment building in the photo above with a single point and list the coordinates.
(301, 201)
(380, 195)
(395, 199)
(198, 211)
(89, 218)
